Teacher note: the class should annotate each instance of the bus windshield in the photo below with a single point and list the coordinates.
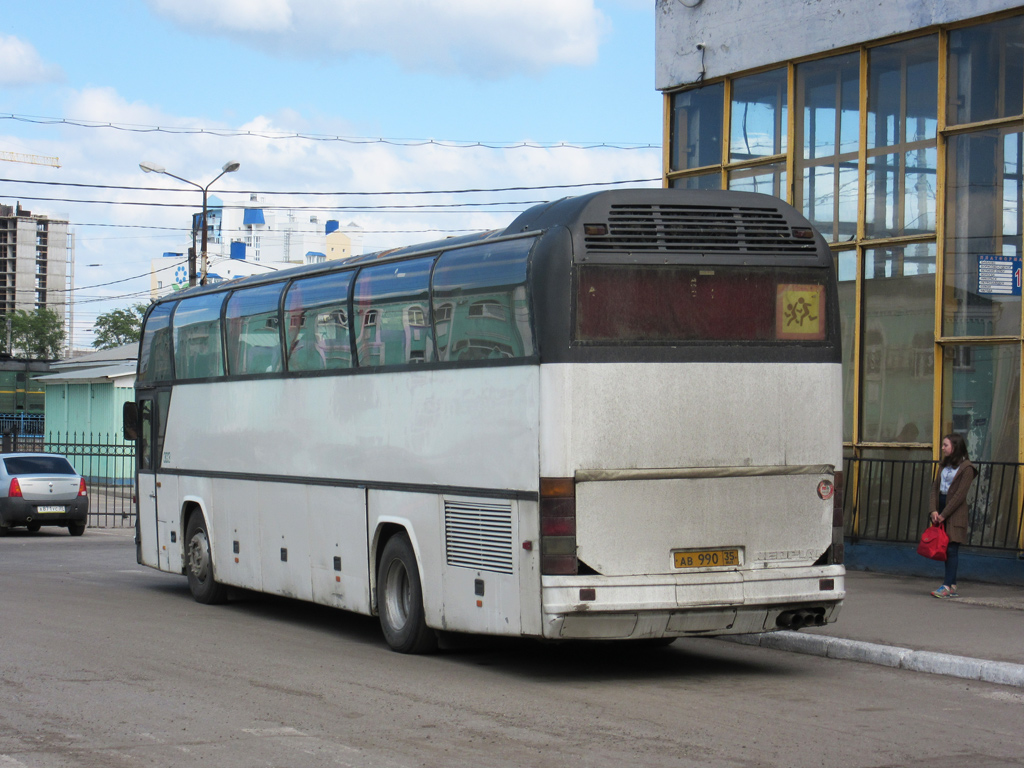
(688, 303)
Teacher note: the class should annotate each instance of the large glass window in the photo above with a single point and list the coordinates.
(828, 135)
(767, 179)
(758, 116)
(902, 125)
(982, 398)
(697, 127)
(316, 323)
(986, 72)
(198, 352)
(983, 234)
(155, 363)
(388, 331)
(481, 310)
(846, 267)
(253, 330)
(698, 181)
(898, 344)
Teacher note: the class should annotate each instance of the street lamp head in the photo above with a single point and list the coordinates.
(151, 167)
(231, 167)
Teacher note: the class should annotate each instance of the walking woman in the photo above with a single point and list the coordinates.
(948, 503)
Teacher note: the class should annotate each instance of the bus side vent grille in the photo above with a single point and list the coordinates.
(478, 535)
(699, 229)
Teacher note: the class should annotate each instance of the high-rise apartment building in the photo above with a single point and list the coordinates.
(35, 254)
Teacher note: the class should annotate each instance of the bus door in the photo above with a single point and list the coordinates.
(152, 412)
(145, 520)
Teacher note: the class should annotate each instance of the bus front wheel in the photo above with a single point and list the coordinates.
(199, 563)
(400, 599)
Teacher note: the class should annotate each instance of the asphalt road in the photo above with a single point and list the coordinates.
(105, 664)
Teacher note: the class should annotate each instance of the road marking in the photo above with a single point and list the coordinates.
(283, 731)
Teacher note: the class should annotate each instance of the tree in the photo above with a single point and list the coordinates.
(119, 327)
(38, 335)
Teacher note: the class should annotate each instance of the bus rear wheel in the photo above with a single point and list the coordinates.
(400, 599)
(199, 563)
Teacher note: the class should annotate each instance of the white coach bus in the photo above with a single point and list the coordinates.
(619, 418)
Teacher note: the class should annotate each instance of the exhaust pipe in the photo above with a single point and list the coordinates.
(803, 617)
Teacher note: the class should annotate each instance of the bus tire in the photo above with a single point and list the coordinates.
(400, 599)
(199, 563)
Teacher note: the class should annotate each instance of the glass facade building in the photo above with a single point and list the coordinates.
(906, 154)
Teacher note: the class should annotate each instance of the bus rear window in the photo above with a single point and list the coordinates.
(664, 304)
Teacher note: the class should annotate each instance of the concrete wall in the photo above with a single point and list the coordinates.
(738, 35)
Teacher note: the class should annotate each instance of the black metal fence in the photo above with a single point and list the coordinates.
(887, 500)
(105, 461)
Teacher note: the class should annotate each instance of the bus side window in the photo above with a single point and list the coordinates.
(253, 335)
(316, 323)
(481, 311)
(155, 356)
(197, 347)
(391, 302)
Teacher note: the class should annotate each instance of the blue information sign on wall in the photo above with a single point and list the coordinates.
(999, 275)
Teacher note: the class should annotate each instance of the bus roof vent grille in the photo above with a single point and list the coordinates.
(478, 535)
(699, 229)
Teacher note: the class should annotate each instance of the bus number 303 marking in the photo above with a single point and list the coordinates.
(708, 558)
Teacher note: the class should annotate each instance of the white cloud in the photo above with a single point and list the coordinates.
(20, 64)
(488, 39)
(124, 238)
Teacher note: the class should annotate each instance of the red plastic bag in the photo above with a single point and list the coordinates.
(934, 542)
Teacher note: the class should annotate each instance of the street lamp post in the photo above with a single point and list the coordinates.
(230, 167)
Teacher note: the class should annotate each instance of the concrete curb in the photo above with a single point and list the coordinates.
(998, 672)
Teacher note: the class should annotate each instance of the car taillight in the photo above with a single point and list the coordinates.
(558, 526)
(81, 487)
(14, 492)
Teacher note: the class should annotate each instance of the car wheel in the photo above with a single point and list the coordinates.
(76, 529)
(400, 599)
(199, 563)
(33, 527)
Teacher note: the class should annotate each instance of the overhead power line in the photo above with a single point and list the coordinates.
(479, 190)
(277, 135)
(424, 207)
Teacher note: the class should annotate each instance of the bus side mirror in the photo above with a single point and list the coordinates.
(130, 419)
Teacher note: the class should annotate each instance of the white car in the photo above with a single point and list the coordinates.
(38, 489)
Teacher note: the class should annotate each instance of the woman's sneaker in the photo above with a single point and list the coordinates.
(943, 592)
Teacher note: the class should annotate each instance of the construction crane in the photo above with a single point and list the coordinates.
(17, 157)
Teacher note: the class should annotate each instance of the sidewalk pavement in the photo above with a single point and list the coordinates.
(894, 621)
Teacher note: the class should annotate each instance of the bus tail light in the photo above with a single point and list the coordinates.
(14, 492)
(558, 526)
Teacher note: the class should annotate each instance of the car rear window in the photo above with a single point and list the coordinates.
(38, 465)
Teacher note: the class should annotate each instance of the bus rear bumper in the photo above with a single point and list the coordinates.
(713, 603)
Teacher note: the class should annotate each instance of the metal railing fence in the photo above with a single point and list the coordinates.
(887, 500)
(106, 462)
(884, 500)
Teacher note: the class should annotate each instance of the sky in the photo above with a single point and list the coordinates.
(322, 102)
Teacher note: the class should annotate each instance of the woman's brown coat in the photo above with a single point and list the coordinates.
(955, 512)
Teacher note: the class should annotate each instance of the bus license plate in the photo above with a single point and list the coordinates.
(44, 510)
(707, 558)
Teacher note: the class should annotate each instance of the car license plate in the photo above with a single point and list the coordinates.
(45, 510)
(707, 558)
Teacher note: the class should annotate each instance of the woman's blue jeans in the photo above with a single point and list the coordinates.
(952, 556)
